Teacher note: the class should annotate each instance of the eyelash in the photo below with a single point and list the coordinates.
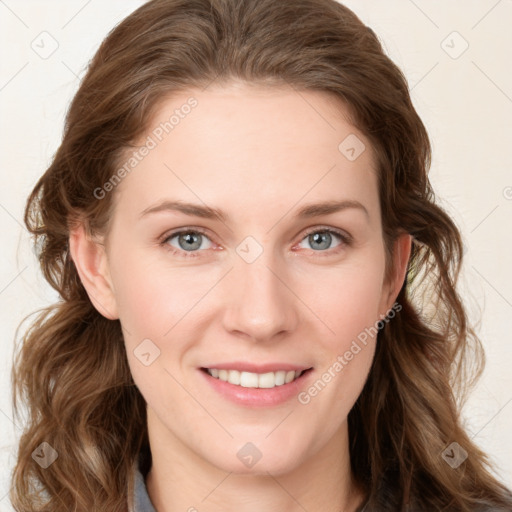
(346, 241)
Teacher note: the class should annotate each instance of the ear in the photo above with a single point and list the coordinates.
(91, 262)
(400, 260)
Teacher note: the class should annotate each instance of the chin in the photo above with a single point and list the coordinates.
(251, 460)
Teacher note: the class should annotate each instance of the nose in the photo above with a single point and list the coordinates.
(261, 304)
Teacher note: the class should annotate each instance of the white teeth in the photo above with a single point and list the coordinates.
(289, 377)
(280, 378)
(233, 376)
(266, 380)
(248, 380)
(255, 380)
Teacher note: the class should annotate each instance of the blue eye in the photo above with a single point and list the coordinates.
(323, 238)
(191, 242)
(188, 241)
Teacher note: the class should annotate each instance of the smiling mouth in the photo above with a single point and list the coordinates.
(255, 380)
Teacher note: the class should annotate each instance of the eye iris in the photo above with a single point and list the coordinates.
(319, 237)
(192, 241)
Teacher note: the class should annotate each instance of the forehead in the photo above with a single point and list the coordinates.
(247, 146)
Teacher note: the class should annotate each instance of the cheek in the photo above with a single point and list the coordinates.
(350, 308)
(348, 300)
(151, 298)
(158, 307)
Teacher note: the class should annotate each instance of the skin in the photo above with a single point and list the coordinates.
(259, 154)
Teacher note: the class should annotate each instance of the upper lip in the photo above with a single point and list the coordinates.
(257, 368)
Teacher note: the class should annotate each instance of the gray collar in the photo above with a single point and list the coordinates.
(142, 503)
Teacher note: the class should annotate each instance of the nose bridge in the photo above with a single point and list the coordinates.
(260, 304)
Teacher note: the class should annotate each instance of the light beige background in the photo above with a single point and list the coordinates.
(464, 98)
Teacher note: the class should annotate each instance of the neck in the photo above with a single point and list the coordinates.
(181, 479)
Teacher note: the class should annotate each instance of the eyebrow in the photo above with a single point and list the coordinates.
(207, 212)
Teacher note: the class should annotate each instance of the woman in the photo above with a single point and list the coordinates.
(241, 227)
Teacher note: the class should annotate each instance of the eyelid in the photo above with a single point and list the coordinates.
(340, 232)
(179, 231)
(346, 238)
(162, 240)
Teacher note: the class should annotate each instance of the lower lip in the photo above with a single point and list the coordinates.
(257, 397)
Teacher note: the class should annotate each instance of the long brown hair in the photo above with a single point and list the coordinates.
(71, 369)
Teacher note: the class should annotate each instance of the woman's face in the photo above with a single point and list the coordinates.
(273, 284)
